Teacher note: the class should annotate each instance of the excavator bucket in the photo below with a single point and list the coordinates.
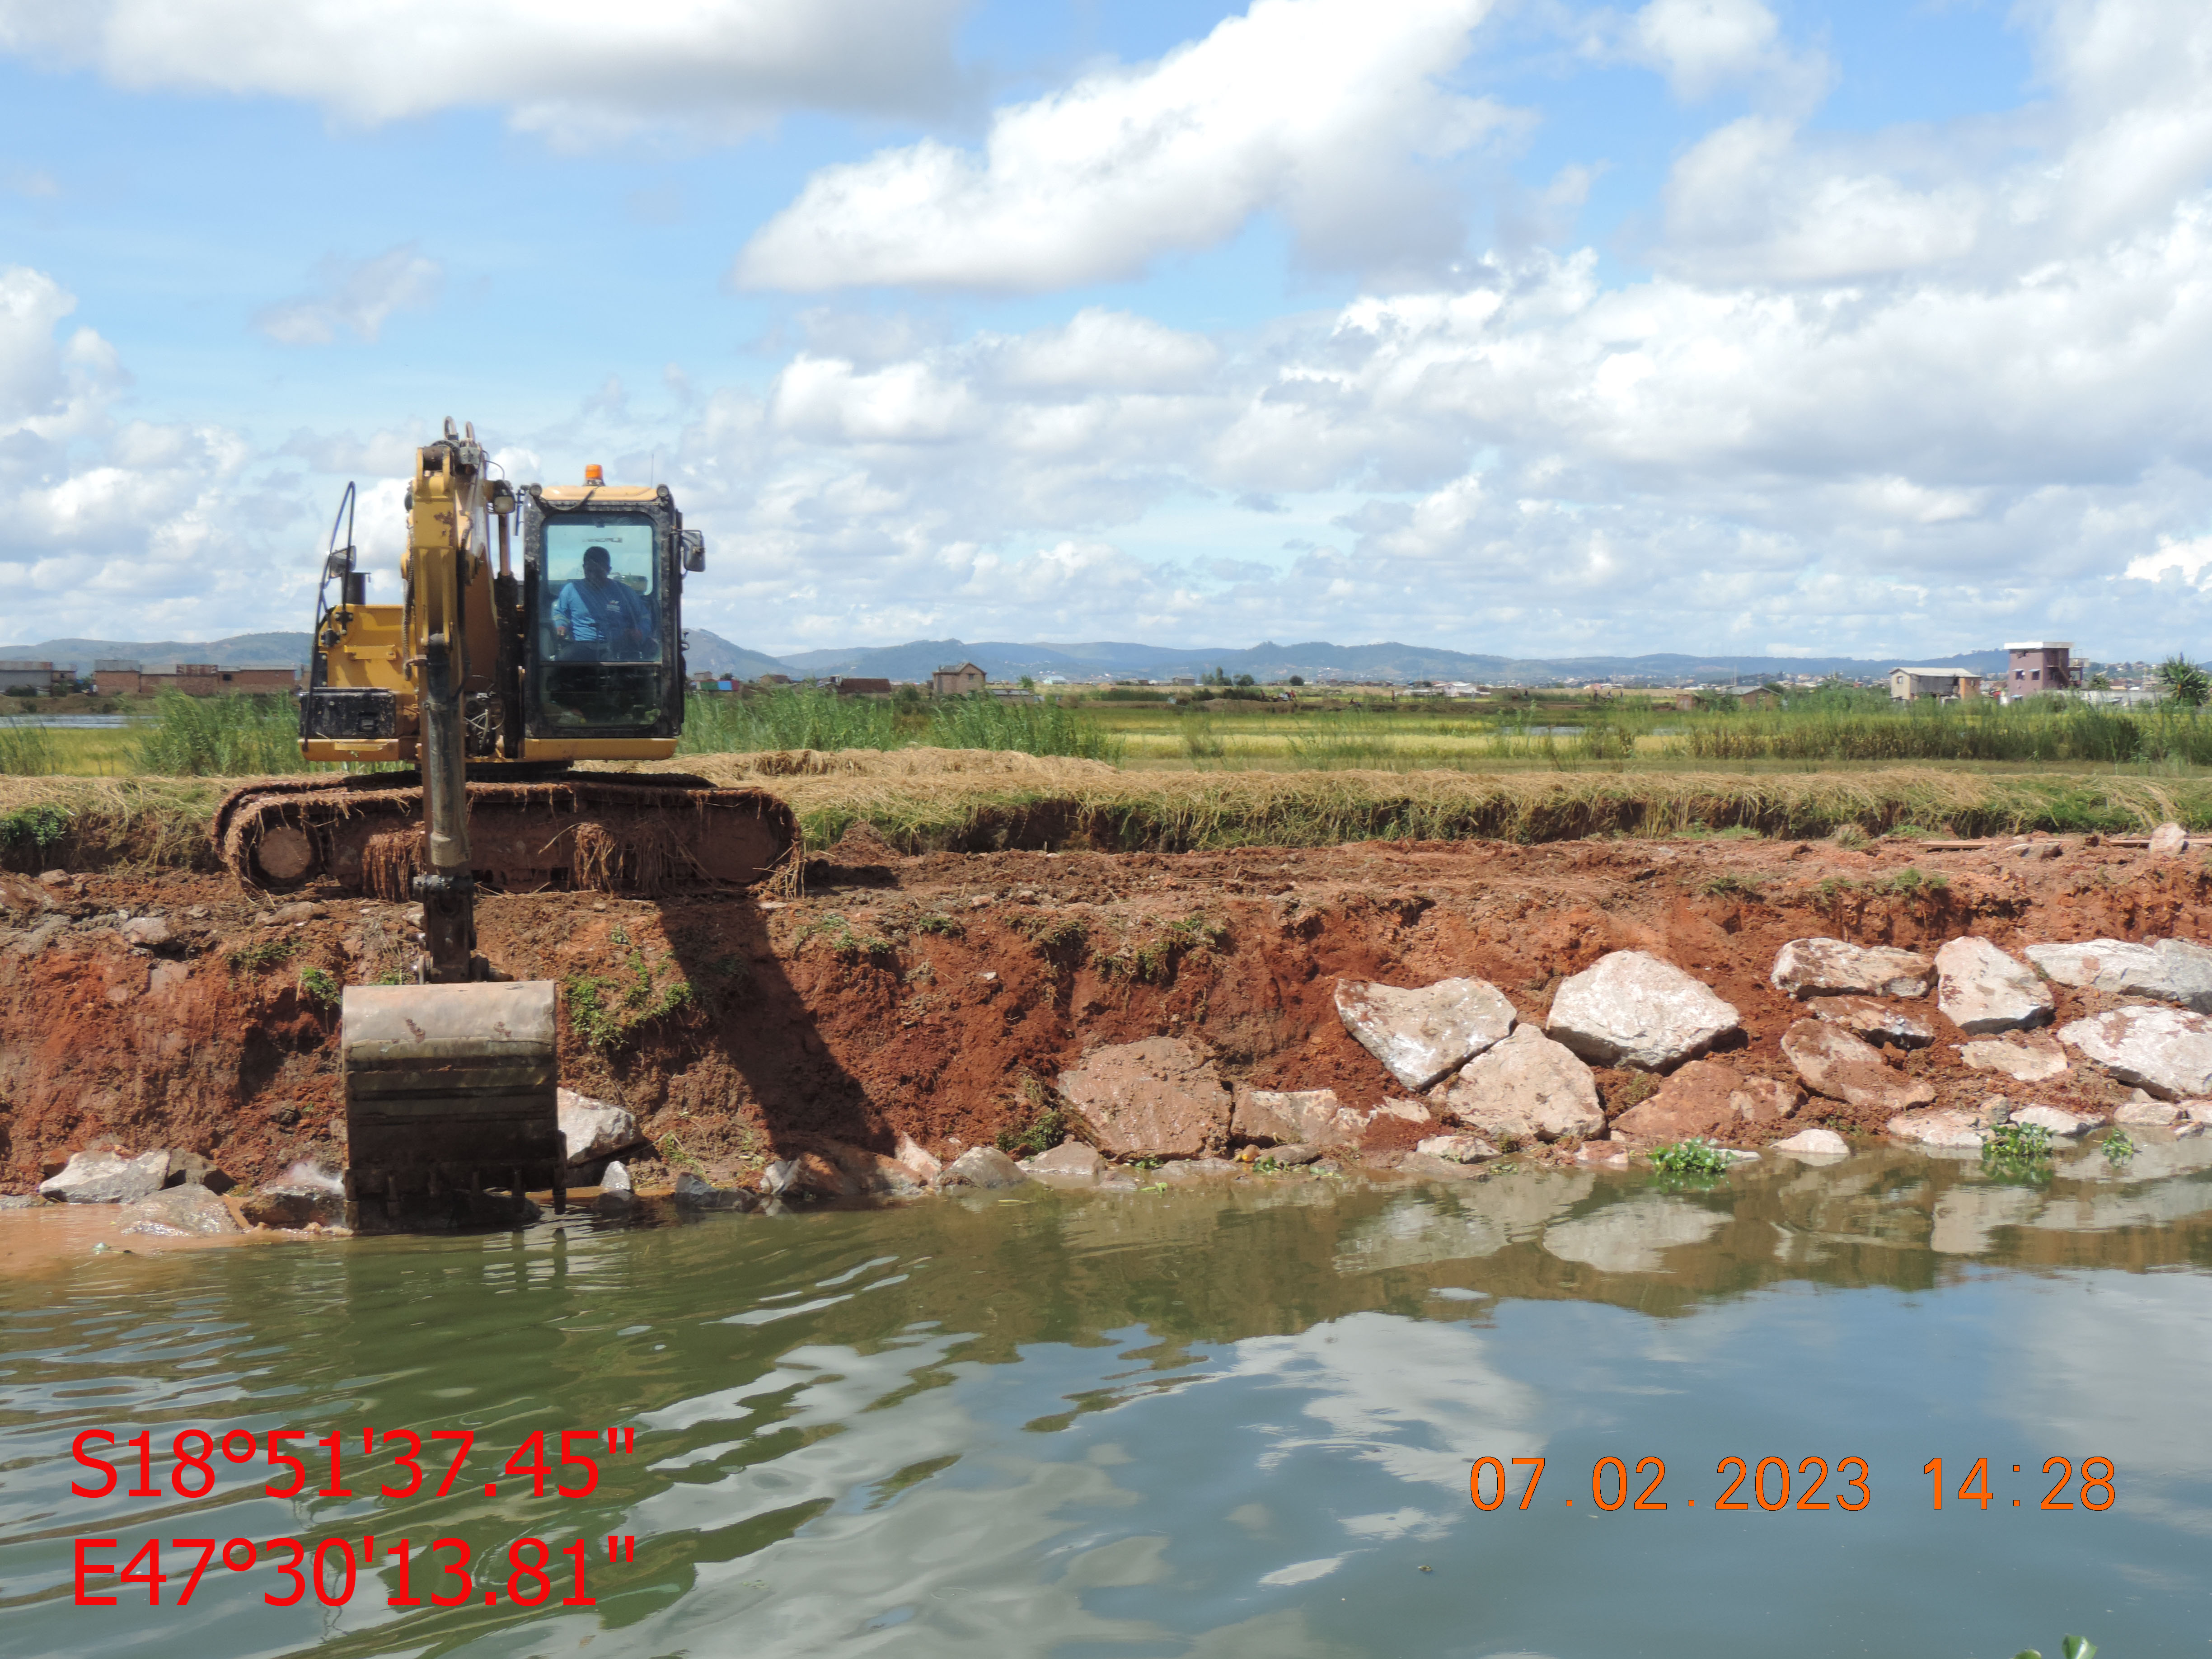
(450, 1092)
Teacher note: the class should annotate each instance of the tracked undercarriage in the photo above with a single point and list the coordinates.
(603, 832)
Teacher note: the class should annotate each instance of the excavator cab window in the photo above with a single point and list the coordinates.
(599, 621)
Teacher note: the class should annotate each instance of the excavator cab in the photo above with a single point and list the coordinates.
(603, 579)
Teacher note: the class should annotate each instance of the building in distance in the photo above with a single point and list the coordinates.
(2034, 666)
(1912, 684)
(958, 680)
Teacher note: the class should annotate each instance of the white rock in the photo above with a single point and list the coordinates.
(1983, 990)
(146, 932)
(1072, 1160)
(1938, 1128)
(1816, 1143)
(593, 1129)
(2148, 1113)
(980, 1166)
(2053, 1121)
(915, 1159)
(2170, 970)
(2167, 1050)
(1872, 1020)
(1423, 1037)
(695, 1192)
(1406, 1111)
(1294, 1117)
(2033, 1060)
(1528, 1087)
(2169, 840)
(1827, 967)
(615, 1178)
(1457, 1149)
(107, 1178)
(1630, 1008)
(2197, 1111)
(1835, 1064)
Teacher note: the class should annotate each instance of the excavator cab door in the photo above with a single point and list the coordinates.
(602, 617)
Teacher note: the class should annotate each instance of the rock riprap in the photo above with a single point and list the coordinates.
(107, 1178)
(1833, 967)
(1156, 1098)
(2054, 1121)
(1630, 1008)
(1528, 1087)
(1871, 1019)
(2168, 969)
(295, 1203)
(1814, 1143)
(1070, 1161)
(2167, 1051)
(1707, 1099)
(1950, 1127)
(191, 1211)
(592, 1127)
(1423, 1037)
(1289, 1116)
(980, 1167)
(1456, 1149)
(2025, 1059)
(1983, 990)
(1835, 1064)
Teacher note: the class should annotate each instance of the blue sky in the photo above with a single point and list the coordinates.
(1508, 326)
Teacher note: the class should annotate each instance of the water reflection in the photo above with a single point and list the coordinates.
(1231, 1421)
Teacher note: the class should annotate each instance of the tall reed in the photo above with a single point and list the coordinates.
(222, 737)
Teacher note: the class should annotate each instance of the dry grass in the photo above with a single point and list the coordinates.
(923, 800)
(81, 823)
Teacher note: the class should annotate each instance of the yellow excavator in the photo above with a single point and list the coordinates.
(491, 684)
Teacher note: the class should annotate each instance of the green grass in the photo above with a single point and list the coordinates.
(222, 737)
(29, 751)
(252, 958)
(815, 717)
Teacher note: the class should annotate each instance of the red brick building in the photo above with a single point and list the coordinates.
(194, 679)
(2034, 666)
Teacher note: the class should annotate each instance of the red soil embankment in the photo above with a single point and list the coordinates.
(938, 997)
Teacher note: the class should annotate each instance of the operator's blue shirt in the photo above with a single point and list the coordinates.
(598, 613)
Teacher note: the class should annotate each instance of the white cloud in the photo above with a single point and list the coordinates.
(1313, 109)
(355, 296)
(567, 69)
(1701, 44)
(2185, 559)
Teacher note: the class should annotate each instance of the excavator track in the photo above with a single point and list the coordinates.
(612, 832)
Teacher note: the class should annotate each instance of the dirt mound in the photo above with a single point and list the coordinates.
(940, 996)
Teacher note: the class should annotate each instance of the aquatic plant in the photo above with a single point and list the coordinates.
(2118, 1149)
(2017, 1150)
(2071, 1647)
(1694, 1157)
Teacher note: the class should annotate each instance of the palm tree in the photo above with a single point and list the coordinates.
(2184, 682)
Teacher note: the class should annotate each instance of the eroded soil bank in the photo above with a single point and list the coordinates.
(940, 997)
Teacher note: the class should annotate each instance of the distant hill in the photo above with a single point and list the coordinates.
(1318, 659)
(710, 653)
(239, 651)
(1003, 660)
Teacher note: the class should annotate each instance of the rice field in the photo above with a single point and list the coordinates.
(977, 774)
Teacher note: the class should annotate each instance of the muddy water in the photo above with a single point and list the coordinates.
(1234, 1421)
